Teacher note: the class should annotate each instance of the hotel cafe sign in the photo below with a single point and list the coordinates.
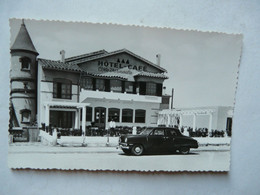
(109, 66)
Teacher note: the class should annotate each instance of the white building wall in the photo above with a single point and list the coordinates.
(118, 96)
(202, 121)
(96, 98)
(45, 89)
(46, 95)
(223, 114)
(219, 117)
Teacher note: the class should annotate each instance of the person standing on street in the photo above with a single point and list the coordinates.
(134, 130)
(111, 128)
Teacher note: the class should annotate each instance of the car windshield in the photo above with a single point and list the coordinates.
(147, 131)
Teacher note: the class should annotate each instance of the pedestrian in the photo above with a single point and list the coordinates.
(134, 130)
(111, 124)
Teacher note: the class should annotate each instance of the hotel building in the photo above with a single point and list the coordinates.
(78, 91)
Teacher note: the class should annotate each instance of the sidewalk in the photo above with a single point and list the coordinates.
(38, 147)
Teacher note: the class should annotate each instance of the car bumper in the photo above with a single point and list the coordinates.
(124, 146)
(196, 145)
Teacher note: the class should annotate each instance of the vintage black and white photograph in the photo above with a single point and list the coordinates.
(120, 98)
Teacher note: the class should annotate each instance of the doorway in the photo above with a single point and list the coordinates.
(100, 117)
(229, 126)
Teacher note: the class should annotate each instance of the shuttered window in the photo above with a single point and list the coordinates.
(100, 84)
(151, 89)
(87, 83)
(62, 88)
(129, 87)
(116, 86)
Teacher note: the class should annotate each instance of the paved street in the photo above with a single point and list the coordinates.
(110, 158)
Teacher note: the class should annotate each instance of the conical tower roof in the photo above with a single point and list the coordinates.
(23, 41)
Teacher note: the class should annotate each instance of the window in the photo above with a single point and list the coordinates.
(229, 124)
(63, 119)
(140, 116)
(127, 115)
(129, 87)
(25, 116)
(89, 114)
(100, 84)
(25, 85)
(171, 132)
(87, 83)
(150, 88)
(62, 88)
(116, 85)
(25, 63)
(158, 132)
(141, 88)
(113, 113)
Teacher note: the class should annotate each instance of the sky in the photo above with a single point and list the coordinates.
(202, 66)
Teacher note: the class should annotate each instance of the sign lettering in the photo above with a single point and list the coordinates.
(114, 66)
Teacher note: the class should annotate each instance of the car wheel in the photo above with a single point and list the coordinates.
(126, 151)
(184, 150)
(137, 150)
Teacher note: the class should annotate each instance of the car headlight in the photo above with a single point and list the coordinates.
(125, 140)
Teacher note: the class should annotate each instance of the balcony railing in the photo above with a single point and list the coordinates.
(118, 96)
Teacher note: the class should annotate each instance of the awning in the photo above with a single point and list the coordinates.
(66, 104)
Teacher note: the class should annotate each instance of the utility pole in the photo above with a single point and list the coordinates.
(172, 98)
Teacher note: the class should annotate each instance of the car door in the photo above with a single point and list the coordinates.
(156, 139)
(170, 139)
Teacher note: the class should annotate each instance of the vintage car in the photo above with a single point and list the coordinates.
(157, 139)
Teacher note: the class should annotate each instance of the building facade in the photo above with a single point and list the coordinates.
(92, 88)
(23, 81)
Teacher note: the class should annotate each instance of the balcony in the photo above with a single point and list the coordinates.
(118, 96)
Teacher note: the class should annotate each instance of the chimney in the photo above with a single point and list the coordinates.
(62, 54)
(158, 59)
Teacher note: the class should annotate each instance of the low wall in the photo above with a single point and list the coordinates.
(101, 141)
(47, 139)
(87, 141)
(113, 141)
(213, 140)
(71, 141)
